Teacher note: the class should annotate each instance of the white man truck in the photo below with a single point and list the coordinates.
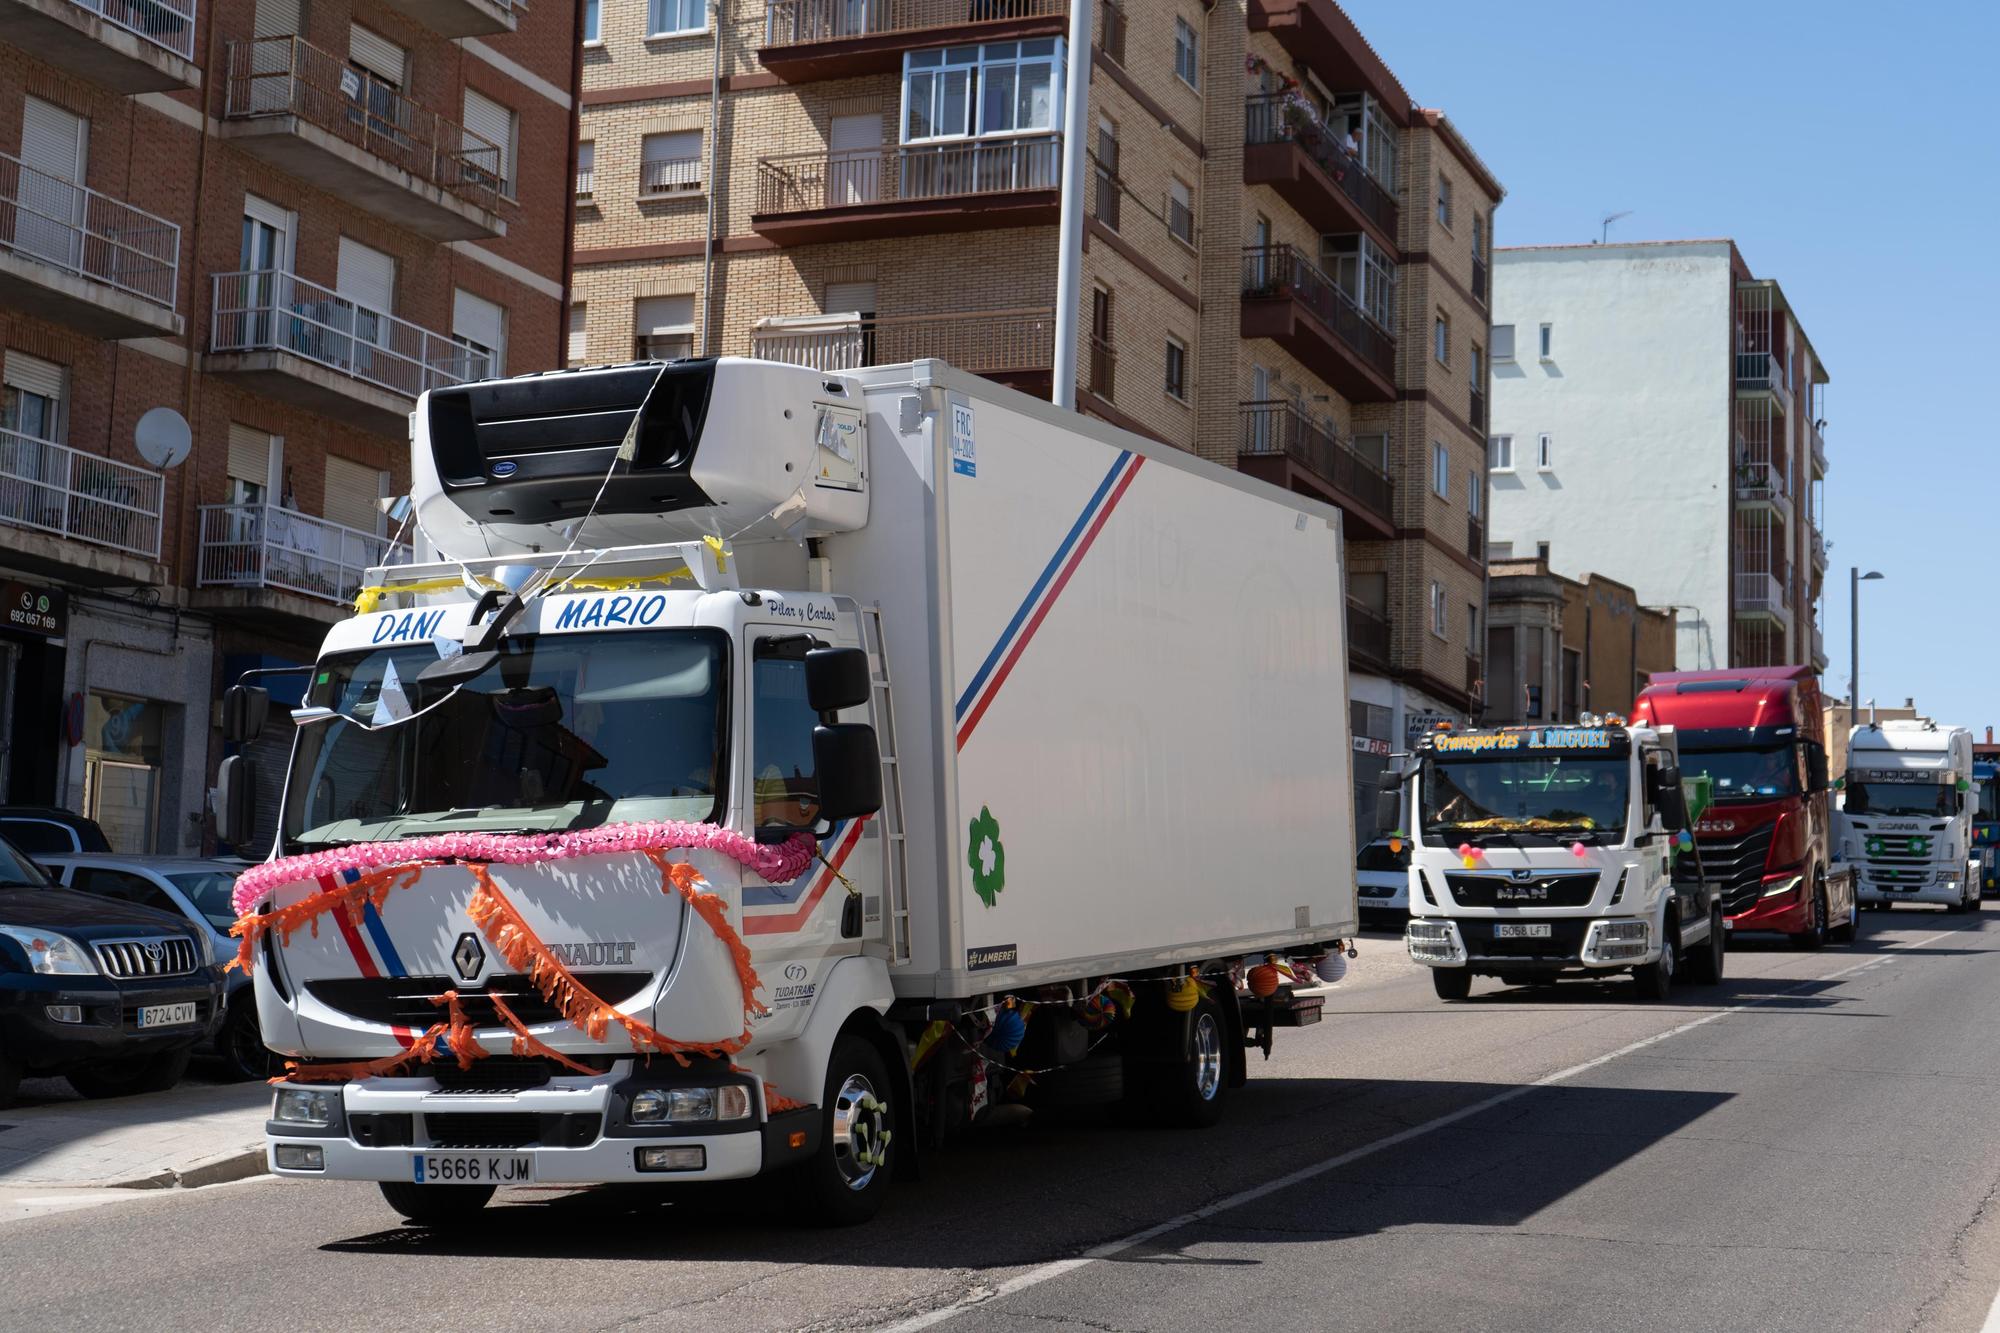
(763, 770)
(1543, 852)
(1909, 804)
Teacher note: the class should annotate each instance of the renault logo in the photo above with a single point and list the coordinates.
(469, 957)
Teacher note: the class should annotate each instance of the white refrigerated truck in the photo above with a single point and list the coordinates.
(1059, 711)
(1908, 800)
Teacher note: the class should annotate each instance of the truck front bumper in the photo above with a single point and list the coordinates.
(1944, 890)
(725, 1157)
(1583, 943)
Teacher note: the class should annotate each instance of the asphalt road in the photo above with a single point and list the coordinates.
(1811, 1145)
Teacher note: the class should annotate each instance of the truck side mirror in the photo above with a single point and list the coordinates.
(236, 798)
(1389, 805)
(836, 678)
(244, 708)
(1668, 797)
(848, 764)
(1816, 768)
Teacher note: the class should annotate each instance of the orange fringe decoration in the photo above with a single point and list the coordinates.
(526, 1043)
(778, 1101)
(715, 912)
(373, 887)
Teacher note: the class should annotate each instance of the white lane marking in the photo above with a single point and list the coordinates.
(1034, 1277)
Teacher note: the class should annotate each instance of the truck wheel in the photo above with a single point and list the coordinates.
(436, 1205)
(153, 1074)
(1655, 980)
(1451, 983)
(1193, 1086)
(1814, 936)
(1705, 964)
(241, 1042)
(847, 1178)
(1846, 932)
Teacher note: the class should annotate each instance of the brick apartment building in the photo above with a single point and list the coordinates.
(845, 182)
(1682, 452)
(1557, 647)
(278, 221)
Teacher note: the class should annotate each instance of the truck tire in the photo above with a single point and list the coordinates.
(436, 1205)
(845, 1182)
(1191, 1089)
(240, 1043)
(1451, 983)
(1655, 980)
(155, 1073)
(1814, 936)
(1847, 930)
(1704, 965)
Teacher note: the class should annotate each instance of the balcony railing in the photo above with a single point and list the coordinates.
(283, 76)
(1103, 368)
(796, 22)
(1279, 427)
(1113, 35)
(167, 24)
(1279, 271)
(672, 175)
(807, 182)
(1761, 481)
(1475, 539)
(265, 546)
(1367, 634)
(56, 489)
(1759, 592)
(977, 340)
(1476, 411)
(1289, 118)
(271, 311)
(1479, 277)
(586, 182)
(1818, 448)
(1763, 370)
(91, 235)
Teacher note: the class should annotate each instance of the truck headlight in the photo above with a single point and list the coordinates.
(303, 1106)
(1784, 886)
(51, 954)
(689, 1106)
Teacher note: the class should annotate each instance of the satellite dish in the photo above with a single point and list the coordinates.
(163, 437)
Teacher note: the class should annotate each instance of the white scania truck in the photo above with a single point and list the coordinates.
(1542, 852)
(1063, 708)
(1909, 805)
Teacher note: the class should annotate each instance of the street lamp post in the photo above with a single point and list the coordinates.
(1855, 578)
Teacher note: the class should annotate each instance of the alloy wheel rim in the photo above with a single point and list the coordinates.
(1207, 1057)
(860, 1132)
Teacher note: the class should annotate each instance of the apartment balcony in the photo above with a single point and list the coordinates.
(262, 559)
(300, 343)
(314, 116)
(1318, 33)
(1819, 657)
(1818, 449)
(459, 18)
(79, 513)
(1282, 445)
(84, 259)
(1288, 300)
(1286, 147)
(1763, 596)
(827, 39)
(1013, 347)
(1763, 486)
(1367, 637)
(127, 46)
(803, 198)
(1764, 375)
(1816, 547)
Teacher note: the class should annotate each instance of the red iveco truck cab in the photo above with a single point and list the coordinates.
(1760, 735)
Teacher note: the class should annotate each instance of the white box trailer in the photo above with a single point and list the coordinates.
(700, 613)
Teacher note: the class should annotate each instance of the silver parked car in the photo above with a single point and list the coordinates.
(198, 890)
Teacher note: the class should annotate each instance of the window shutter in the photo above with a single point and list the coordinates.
(249, 455)
(351, 494)
(842, 297)
(367, 277)
(276, 18)
(31, 374)
(378, 55)
(1503, 342)
(478, 320)
(495, 124)
(674, 147)
(52, 143)
(579, 343)
(653, 316)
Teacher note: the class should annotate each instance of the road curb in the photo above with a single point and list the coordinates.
(209, 1171)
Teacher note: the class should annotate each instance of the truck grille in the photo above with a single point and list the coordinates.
(1564, 944)
(1551, 890)
(1739, 864)
(165, 956)
(407, 1000)
(512, 1129)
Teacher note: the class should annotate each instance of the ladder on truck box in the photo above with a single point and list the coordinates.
(895, 839)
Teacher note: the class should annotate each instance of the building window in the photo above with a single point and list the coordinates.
(1114, 32)
(1373, 446)
(1545, 452)
(586, 169)
(669, 163)
(1441, 338)
(1361, 269)
(1500, 453)
(1476, 369)
(31, 403)
(671, 18)
(593, 22)
(1548, 341)
(1542, 552)
(1478, 239)
(1103, 360)
(491, 138)
(1472, 489)
(1180, 211)
(1177, 369)
(1440, 470)
(1109, 189)
(1503, 342)
(1437, 609)
(663, 327)
(579, 342)
(971, 91)
(480, 326)
(1444, 201)
(1472, 628)
(1187, 53)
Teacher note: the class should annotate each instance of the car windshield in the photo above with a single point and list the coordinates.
(209, 891)
(1927, 799)
(563, 731)
(17, 871)
(1377, 856)
(1535, 794)
(1745, 775)
(1989, 801)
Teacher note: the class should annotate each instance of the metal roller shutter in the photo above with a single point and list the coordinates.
(378, 55)
(495, 124)
(351, 492)
(249, 455)
(478, 321)
(31, 374)
(366, 276)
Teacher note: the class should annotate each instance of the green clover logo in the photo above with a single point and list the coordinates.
(987, 857)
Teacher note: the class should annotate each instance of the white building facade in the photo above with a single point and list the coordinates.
(1657, 418)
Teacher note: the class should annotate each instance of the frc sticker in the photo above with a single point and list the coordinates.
(992, 956)
(964, 458)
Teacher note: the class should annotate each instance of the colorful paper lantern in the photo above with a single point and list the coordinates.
(1183, 994)
(1395, 846)
(1009, 1030)
(1577, 849)
(1263, 979)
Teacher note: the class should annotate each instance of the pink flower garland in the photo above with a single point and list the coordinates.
(780, 864)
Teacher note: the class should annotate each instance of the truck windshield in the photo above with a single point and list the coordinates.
(1989, 801)
(1526, 794)
(564, 731)
(1927, 799)
(1746, 775)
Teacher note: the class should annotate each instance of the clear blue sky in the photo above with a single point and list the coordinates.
(1849, 151)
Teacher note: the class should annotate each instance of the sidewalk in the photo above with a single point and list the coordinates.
(195, 1134)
